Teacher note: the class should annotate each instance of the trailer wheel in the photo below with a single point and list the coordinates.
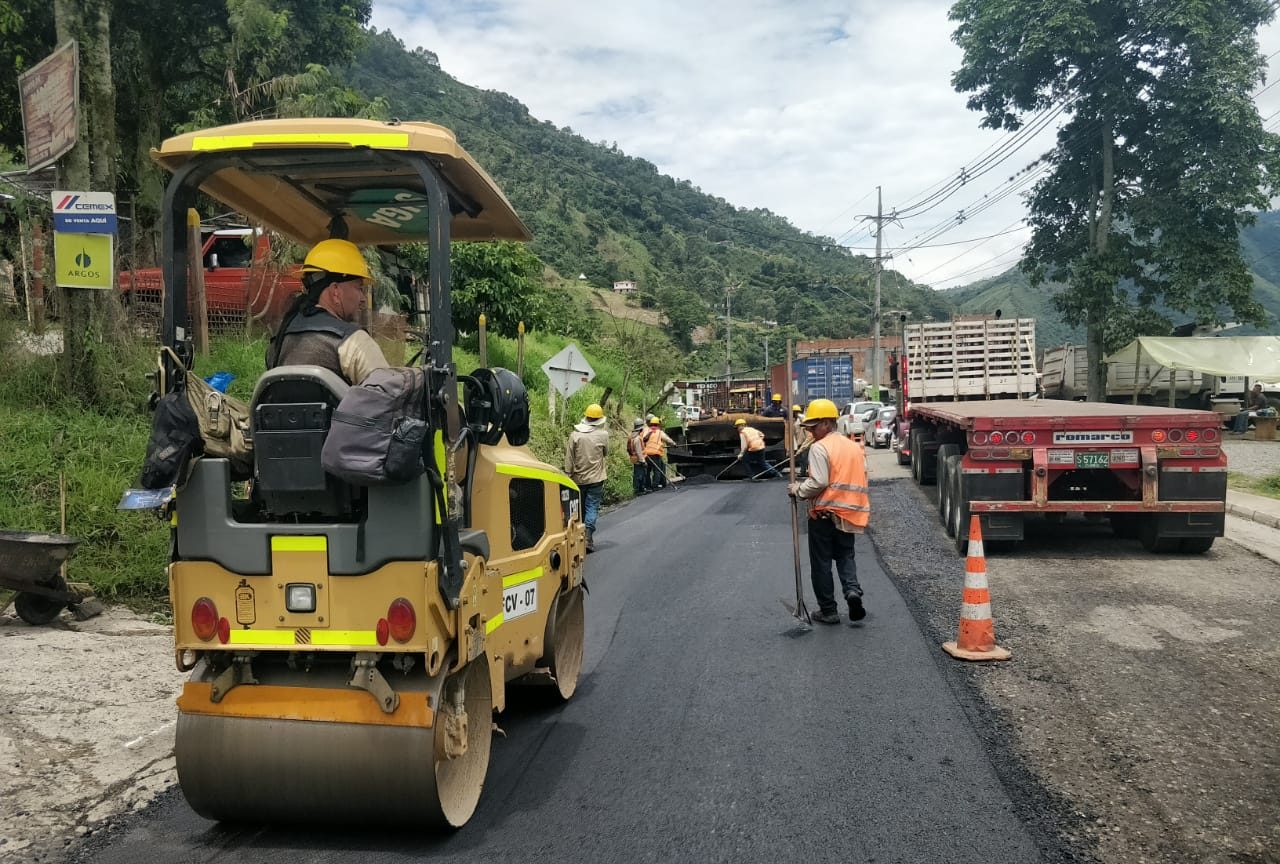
(945, 452)
(927, 475)
(1196, 545)
(1153, 540)
(947, 486)
(959, 512)
(1124, 525)
(915, 455)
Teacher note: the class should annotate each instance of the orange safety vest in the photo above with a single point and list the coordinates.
(755, 438)
(846, 494)
(653, 445)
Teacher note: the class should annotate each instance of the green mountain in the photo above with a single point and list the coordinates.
(1011, 291)
(596, 211)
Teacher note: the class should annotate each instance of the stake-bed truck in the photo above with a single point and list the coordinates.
(975, 427)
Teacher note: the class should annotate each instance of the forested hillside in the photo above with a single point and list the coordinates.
(1011, 291)
(597, 212)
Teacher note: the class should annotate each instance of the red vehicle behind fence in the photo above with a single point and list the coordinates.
(240, 280)
(974, 427)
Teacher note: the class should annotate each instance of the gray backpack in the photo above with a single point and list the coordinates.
(378, 429)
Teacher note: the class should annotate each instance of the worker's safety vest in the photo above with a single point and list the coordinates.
(755, 438)
(846, 494)
(653, 445)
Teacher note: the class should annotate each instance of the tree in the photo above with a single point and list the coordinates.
(1161, 161)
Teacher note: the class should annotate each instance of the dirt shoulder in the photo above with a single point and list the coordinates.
(86, 727)
(1143, 696)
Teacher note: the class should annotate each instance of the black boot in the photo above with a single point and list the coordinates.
(591, 540)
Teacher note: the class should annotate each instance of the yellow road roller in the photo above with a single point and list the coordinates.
(348, 645)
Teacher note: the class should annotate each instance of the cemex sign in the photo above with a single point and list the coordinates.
(84, 212)
(84, 228)
(568, 371)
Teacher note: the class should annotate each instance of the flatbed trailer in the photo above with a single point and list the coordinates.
(1156, 473)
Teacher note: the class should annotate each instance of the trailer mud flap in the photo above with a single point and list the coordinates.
(1001, 526)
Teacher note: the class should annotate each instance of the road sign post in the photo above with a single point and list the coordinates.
(568, 371)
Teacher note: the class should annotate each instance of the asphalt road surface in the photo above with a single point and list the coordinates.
(705, 728)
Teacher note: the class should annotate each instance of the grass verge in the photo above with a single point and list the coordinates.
(99, 454)
(1266, 486)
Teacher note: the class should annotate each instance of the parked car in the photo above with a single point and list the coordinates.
(883, 429)
(853, 421)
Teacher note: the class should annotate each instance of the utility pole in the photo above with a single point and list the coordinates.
(879, 219)
(875, 345)
(728, 341)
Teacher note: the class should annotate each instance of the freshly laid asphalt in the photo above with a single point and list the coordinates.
(705, 728)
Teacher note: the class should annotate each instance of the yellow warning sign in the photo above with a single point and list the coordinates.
(83, 260)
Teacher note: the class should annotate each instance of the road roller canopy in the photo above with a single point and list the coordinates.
(300, 177)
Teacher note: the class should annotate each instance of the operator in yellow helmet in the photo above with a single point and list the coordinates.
(774, 408)
(319, 328)
(655, 443)
(839, 510)
(586, 462)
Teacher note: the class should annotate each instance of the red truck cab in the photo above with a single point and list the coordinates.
(239, 277)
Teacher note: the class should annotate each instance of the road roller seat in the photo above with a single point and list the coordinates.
(290, 415)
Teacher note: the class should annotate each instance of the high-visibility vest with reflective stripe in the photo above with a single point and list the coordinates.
(755, 438)
(653, 445)
(846, 494)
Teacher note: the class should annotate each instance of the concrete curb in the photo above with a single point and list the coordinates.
(1244, 512)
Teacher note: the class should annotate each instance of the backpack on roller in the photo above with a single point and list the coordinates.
(377, 432)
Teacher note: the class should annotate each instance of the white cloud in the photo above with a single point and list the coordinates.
(800, 106)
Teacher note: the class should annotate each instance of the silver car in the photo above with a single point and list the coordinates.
(853, 422)
(882, 429)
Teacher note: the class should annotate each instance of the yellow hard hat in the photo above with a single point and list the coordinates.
(739, 422)
(654, 421)
(821, 409)
(777, 397)
(593, 412)
(796, 408)
(336, 256)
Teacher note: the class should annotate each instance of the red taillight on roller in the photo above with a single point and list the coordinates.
(1158, 436)
(224, 631)
(382, 631)
(1028, 437)
(1193, 435)
(401, 620)
(1210, 435)
(997, 437)
(1175, 435)
(204, 618)
(980, 437)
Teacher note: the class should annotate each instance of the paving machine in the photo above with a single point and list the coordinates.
(347, 646)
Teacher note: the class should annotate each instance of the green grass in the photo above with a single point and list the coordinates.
(100, 453)
(1267, 486)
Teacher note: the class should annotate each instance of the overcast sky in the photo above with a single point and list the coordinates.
(800, 106)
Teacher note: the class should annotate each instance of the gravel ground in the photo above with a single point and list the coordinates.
(86, 727)
(1254, 458)
(1141, 710)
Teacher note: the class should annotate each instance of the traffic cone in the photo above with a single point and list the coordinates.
(977, 640)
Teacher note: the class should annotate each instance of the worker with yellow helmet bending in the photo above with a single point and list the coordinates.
(655, 443)
(319, 329)
(751, 450)
(586, 462)
(839, 509)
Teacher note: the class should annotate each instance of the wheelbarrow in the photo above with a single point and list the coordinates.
(30, 563)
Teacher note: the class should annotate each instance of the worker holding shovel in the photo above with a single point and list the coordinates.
(655, 443)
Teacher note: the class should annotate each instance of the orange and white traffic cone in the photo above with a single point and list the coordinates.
(977, 640)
